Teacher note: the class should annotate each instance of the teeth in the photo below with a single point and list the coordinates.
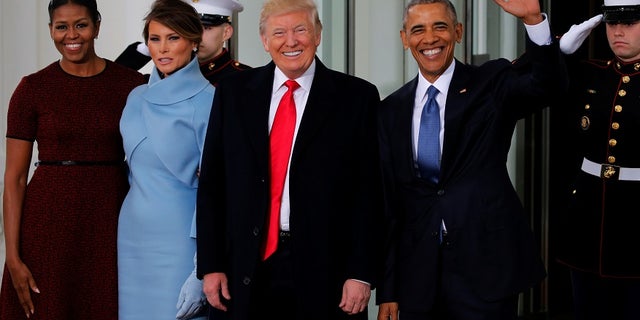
(430, 52)
(73, 45)
(292, 54)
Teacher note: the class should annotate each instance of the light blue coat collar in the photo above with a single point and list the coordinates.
(179, 86)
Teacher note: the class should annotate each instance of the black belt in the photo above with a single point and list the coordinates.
(79, 163)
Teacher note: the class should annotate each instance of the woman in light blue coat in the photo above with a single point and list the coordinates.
(163, 127)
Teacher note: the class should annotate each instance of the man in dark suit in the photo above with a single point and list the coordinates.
(323, 266)
(459, 243)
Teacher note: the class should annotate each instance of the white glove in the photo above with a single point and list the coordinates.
(191, 299)
(572, 39)
(142, 48)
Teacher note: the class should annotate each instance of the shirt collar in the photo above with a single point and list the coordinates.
(304, 81)
(442, 83)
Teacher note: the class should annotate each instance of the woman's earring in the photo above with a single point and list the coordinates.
(195, 49)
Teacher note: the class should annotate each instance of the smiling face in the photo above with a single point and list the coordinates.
(431, 33)
(73, 33)
(291, 39)
(169, 51)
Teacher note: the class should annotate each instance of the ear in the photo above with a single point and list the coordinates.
(405, 41)
(265, 42)
(95, 36)
(459, 31)
(228, 32)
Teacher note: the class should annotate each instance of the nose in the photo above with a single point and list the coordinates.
(429, 37)
(163, 47)
(72, 33)
(617, 28)
(291, 39)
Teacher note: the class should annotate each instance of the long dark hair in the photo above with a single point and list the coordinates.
(176, 15)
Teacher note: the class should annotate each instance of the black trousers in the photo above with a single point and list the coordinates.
(455, 300)
(272, 296)
(604, 298)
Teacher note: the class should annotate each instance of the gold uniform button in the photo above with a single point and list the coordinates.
(626, 79)
(613, 142)
(212, 65)
(611, 159)
(636, 66)
(587, 106)
(615, 126)
(618, 108)
(622, 93)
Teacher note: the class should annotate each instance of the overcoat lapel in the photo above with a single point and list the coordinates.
(254, 109)
(320, 104)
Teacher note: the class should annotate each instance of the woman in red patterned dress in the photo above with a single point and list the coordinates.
(61, 226)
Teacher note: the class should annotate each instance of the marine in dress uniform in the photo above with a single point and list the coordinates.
(601, 237)
(213, 13)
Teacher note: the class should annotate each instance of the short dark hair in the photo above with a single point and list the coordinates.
(450, 8)
(177, 15)
(89, 4)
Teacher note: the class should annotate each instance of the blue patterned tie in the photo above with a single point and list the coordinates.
(429, 138)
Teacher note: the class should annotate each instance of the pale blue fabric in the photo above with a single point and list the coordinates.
(163, 127)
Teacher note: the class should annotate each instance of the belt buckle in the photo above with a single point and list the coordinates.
(609, 171)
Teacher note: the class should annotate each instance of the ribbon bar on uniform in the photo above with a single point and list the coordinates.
(610, 172)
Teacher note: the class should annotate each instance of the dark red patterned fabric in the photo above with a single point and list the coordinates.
(69, 221)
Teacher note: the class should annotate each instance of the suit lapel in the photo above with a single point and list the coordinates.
(402, 129)
(457, 103)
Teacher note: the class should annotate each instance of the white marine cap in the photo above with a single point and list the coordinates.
(216, 12)
(621, 11)
(609, 3)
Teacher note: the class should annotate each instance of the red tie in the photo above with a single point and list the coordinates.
(280, 140)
